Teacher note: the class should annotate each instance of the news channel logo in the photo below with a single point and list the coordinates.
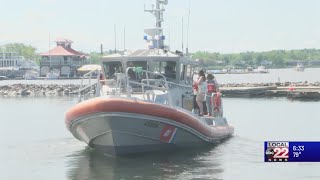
(277, 151)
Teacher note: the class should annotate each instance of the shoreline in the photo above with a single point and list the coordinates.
(245, 90)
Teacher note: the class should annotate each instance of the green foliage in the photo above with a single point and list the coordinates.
(279, 58)
(95, 58)
(27, 51)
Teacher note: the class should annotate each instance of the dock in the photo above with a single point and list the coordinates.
(302, 92)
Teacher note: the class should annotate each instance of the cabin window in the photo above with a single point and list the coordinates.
(136, 74)
(189, 74)
(155, 66)
(169, 70)
(183, 71)
(111, 68)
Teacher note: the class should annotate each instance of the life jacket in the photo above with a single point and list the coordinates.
(195, 87)
(101, 78)
(217, 102)
(211, 87)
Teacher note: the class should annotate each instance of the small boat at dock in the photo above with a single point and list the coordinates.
(53, 74)
(3, 77)
(299, 67)
(31, 75)
(261, 69)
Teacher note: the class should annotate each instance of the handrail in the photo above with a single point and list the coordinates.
(181, 85)
(148, 85)
(82, 87)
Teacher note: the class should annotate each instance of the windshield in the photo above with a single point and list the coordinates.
(112, 67)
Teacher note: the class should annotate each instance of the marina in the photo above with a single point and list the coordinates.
(212, 90)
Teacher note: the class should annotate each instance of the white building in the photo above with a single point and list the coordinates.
(11, 59)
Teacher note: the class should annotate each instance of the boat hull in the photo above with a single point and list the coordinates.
(120, 133)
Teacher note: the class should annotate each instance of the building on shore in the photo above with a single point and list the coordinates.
(13, 65)
(62, 59)
(10, 59)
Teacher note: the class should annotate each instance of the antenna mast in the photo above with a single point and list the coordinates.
(182, 35)
(156, 33)
(115, 39)
(124, 39)
(188, 27)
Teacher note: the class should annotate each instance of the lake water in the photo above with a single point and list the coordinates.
(284, 75)
(36, 144)
(274, 75)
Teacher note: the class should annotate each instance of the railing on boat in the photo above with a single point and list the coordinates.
(164, 87)
(85, 89)
(122, 86)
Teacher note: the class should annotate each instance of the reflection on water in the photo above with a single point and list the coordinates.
(88, 164)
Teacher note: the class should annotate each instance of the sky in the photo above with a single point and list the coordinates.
(225, 26)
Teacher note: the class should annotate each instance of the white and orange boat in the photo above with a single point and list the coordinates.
(143, 102)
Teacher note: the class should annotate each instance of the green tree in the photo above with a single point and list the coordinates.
(27, 51)
(95, 58)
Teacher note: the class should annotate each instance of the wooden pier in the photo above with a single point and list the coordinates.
(306, 92)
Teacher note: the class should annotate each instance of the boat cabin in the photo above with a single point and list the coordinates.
(150, 68)
(175, 68)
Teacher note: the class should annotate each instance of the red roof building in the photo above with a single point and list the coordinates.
(62, 59)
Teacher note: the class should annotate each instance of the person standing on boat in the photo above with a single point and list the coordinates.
(212, 87)
(195, 104)
(131, 73)
(202, 86)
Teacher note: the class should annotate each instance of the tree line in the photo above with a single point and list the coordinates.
(27, 51)
(278, 58)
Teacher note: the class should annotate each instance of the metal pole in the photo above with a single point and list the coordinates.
(115, 39)
(182, 36)
(49, 50)
(124, 39)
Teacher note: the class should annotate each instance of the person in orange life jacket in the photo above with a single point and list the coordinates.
(201, 83)
(212, 87)
(102, 78)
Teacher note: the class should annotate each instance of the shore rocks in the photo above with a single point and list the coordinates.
(70, 89)
(38, 90)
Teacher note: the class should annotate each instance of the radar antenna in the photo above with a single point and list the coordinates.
(156, 37)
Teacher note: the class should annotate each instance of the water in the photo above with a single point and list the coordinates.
(284, 75)
(36, 144)
(274, 75)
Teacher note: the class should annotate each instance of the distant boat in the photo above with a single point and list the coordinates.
(261, 69)
(299, 67)
(31, 75)
(249, 69)
(52, 75)
(3, 77)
